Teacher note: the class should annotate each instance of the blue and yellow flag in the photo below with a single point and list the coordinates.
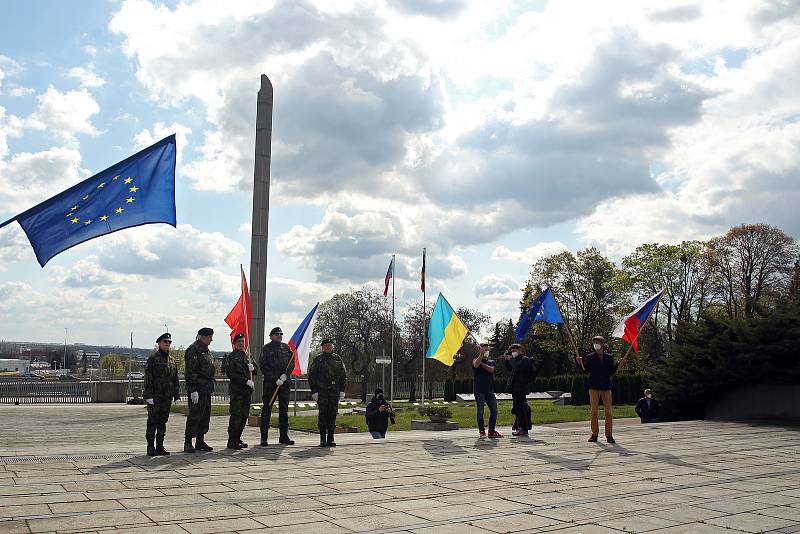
(445, 333)
(138, 190)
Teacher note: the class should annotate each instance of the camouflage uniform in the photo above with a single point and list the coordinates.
(200, 373)
(327, 377)
(161, 385)
(235, 367)
(276, 359)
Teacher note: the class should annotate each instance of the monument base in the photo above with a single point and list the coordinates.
(430, 425)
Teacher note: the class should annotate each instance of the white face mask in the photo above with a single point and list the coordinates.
(649, 396)
(598, 346)
(515, 354)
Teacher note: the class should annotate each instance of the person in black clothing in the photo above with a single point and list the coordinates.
(378, 414)
(483, 370)
(522, 373)
(239, 370)
(647, 408)
(601, 367)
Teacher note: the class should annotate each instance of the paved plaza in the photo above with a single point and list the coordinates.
(82, 469)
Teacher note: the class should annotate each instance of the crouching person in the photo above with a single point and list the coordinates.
(379, 413)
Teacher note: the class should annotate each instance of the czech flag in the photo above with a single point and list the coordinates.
(630, 326)
(301, 342)
(389, 275)
(445, 333)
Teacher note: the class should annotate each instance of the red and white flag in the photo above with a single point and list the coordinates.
(389, 275)
(241, 316)
(630, 326)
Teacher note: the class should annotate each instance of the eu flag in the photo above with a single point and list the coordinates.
(543, 308)
(138, 190)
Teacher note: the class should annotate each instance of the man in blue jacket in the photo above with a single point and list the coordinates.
(601, 367)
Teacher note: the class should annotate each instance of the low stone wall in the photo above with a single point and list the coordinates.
(762, 401)
(109, 391)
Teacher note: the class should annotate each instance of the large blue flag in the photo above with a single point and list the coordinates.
(138, 190)
(543, 308)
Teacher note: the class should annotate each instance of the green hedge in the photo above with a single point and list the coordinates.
(626, 388)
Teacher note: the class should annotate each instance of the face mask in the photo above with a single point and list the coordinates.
(598, 346)
(649, 396)
(515, 354)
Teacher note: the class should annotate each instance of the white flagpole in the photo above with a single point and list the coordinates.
(391, 355)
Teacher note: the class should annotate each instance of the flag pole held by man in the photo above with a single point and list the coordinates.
(138, 190)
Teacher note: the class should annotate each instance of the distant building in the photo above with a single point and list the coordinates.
(92, 356)
(14, 366)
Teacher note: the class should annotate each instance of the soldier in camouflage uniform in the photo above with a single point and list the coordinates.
(327, 379)
(240, 370)
(200, 373)
(276, 362)
(160, 388)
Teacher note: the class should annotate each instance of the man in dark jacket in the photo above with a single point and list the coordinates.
(647, 408)
(378, 414)
(601, 367)
(327, 379)
(522, 373)
(200, 373)
(160, 388)
(277, 363)
(239, 370)
(483, 371)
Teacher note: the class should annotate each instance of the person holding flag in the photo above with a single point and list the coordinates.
(277, 363)
(239, 370)
(601, 367)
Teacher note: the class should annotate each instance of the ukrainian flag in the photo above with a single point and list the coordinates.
(445, 333)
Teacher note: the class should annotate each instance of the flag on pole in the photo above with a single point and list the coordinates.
(630, 326)
(137, 190)
(389, 275)
(543, 308)
(445, 333)
(422, 274)
(301, 342)
(241, 316)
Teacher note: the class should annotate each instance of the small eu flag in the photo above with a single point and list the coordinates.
(138, 190)
(543, 308)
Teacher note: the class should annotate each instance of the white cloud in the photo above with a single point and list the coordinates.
(530, 255)
(65, 114)
(29, 178)
(14, 246)
(146, 138)
(498, 295)
(86, 76)
(8, 68)
(20, 91)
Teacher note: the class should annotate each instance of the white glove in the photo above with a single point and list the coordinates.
(149, 401)
(251, 367)
(279, 382)
(314, 396)
(341, 395)
(251, 384)
(283, 377)
(195, 397)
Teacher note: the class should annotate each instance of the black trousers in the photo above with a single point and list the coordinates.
(157, 417)
(199, 416)
(522, 412)
(283, 409)
(240, 409)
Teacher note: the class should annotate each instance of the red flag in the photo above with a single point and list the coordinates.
(241, 316)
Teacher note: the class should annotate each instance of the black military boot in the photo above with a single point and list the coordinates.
(242, 444)
(323, 438)
(201, 445)
(284, 439)
(235, 445)
(264, 435)
(151, 450)
(331, 443)
(187, 445)
(160, 450)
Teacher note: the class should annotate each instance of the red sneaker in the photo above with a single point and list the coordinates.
(482, 434)
(495, 434)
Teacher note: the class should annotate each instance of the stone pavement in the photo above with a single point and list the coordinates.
(703, 477)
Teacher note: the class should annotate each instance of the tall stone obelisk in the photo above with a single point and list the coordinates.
(258, 241)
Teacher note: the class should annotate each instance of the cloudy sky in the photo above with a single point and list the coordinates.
(492, 133)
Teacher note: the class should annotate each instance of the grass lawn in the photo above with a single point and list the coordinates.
(544, 412)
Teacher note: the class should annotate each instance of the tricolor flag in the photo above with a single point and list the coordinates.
(241, 316)
(445, 333)
(630, 326)
(301, 342)
(422, 274)
(389, 275)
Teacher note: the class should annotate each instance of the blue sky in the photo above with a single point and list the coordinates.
(490, 134)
